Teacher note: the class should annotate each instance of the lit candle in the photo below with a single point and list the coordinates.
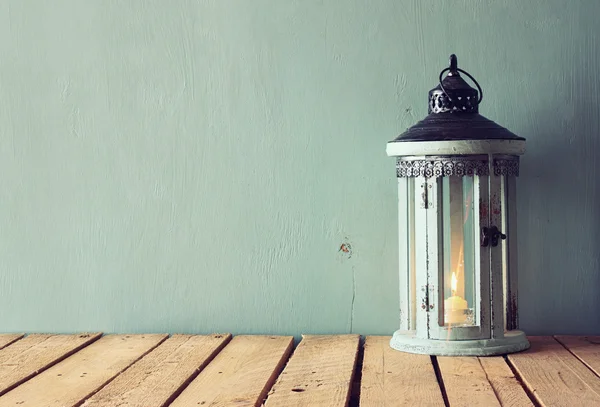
(455, 306)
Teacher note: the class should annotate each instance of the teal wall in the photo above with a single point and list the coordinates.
(195, 166)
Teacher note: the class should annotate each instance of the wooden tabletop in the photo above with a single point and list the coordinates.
(220, 370)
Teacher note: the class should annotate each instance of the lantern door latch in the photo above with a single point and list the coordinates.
(491, 235)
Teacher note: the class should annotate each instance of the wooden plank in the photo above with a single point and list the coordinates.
(403, 253)
(412, 256)
(496, 253)
(160, 375)
(482, 256)
(512, 246)
(392, 378)
(508, 389)
(554, 376)
(421, 262)
(241, 374)
(7, 339)
(586, 348)
(433, 258)
(36, 353)
(80, 375)
(318, 374)
(466, 383)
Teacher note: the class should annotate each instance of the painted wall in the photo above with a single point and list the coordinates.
(196, 166)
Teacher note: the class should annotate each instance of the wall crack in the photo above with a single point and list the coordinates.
(353, 298)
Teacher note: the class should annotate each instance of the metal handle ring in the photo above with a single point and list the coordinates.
(466, 73)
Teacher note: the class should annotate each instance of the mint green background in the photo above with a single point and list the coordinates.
(195, 166)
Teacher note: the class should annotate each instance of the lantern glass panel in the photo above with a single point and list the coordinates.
(459, 243)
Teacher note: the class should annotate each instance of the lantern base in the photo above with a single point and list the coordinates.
(513, 341)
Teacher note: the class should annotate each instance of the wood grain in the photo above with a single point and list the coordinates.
(508, 389)
(241, 374)
(34, 354)
(7, 339)
(585, 348)
(495, 210)
(554, 376)
(421, 262)
(405, 243)
(318, 374)
(466, 383)
(80, 375)
(512, 246)
(159, 376)
(391, 378)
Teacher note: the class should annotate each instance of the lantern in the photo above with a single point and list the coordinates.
(457, 221)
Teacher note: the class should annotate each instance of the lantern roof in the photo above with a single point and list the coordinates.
(454, 113)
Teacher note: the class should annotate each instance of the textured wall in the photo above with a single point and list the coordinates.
(196, 166)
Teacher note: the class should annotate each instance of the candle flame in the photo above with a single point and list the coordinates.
(454, 282)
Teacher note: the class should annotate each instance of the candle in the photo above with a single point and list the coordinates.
(455, 306)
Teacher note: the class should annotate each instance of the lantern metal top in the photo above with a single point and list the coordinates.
(454, 113)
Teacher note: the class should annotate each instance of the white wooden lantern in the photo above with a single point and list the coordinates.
(457, 221)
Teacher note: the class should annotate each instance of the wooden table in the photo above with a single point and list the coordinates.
(220, 370)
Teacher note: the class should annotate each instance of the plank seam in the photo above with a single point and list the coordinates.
(49, 365)
(85, 398)
(353, 298)
(283, 366)
(287, 355)
(585, 382)
(487, 377)
(349, 391)
(196, 372)
(577, 357)
(530, 394)
(355, 381)
(440, 380)
(13, 341)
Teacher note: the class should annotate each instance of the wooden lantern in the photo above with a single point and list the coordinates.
(457, 221)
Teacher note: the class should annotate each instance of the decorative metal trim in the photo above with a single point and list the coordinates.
(442, 167)
(439, 102)
(506, 166)
(433, 167)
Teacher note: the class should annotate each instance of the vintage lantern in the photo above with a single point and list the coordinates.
(457, 221)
